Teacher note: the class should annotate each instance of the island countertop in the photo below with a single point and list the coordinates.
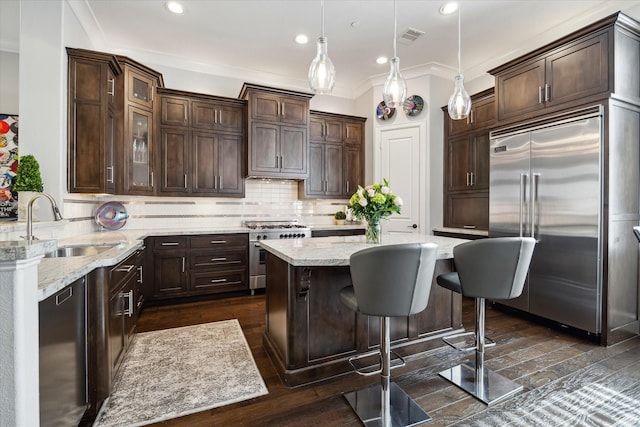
(335, 251)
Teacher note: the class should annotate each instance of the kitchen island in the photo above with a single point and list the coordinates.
(310, 334)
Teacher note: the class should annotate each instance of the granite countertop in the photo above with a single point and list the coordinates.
(335, 251)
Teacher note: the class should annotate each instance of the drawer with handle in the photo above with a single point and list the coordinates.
(170, 242)
(219, 241)
(219, 281)
(209, 259)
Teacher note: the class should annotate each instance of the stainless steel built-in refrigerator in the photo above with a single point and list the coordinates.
(545, 182)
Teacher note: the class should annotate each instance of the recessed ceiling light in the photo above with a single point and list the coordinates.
(174, 7)
(382, 60)
(302, 39)
(449, 8)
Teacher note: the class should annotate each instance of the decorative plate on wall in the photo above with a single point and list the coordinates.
(383, 112)
(111, 216)
(413, 105)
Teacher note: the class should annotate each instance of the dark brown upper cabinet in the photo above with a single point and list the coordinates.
(201, 144)
(92, 121)
(336, 156)
(278, 127)
(566, 73)
(136, 144)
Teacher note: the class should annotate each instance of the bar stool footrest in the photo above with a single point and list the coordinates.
(488, 342)
(366, 373)
(366, 403)
(483, 384)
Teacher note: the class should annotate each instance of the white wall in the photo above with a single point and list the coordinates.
(9, 82)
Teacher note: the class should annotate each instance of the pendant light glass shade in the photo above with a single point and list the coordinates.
(322, 73)
(394, 91)
(460, 102)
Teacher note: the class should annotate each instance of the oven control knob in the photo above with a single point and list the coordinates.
(282, 236)
(264, 237)
(259, 237)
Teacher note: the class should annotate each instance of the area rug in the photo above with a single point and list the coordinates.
(175, 372)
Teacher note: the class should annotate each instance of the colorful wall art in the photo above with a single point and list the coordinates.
(8, 165)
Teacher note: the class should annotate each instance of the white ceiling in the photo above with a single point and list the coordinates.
(245, 38)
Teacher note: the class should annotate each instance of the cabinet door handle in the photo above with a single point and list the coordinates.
(283, 109)
(473, 119)
(547, 92)
(347, 186)
(279, 114)
(218, 259)
(129, 311)
(473, 179)
(112, 91)
(185, 180)
(469, 227)
(215, 182)
(140, 278)
(215, 116)
(110, 174)
(347, 133)
(539, 94)
(152, 92)
(467, 179)
(185, 115)
(218, 280)
(220, 181)
(151, 179)
(126, 268)
(218, 242)
(170, 244)
(183, 261)
(220, 117)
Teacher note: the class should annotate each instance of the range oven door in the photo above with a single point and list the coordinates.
(257, 266)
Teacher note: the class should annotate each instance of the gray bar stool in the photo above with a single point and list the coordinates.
(389, 281)
(495, 269)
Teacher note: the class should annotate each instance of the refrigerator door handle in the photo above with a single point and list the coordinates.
(534, 200)
(523, 182)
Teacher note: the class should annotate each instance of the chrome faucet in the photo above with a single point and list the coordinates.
(57, 216)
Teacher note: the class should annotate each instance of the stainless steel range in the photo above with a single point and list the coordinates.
(267, 230)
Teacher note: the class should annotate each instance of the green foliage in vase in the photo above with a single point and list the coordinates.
(375, 201)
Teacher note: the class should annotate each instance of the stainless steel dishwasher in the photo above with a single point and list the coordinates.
(63, 370)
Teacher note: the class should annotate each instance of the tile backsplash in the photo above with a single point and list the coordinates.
(264, 199)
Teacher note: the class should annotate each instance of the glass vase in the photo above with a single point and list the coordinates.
(373, 233)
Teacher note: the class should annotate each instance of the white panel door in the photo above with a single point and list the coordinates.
(400, 164)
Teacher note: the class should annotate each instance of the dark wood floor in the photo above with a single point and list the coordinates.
(567, 380)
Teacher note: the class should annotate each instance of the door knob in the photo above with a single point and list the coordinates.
(413, 226)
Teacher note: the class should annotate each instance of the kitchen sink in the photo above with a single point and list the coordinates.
(67, 251)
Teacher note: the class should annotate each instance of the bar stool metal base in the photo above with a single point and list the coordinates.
(404, 411)
(483, 384)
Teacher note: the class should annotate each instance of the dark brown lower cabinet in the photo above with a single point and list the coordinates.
(468, 210)
(186, 266)
(113, 307)
(310, 334)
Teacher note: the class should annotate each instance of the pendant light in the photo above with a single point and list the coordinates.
(394, 91)
(460, 102)
(322, 73)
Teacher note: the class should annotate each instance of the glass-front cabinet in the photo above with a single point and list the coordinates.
(140, 88)
(139, 152)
